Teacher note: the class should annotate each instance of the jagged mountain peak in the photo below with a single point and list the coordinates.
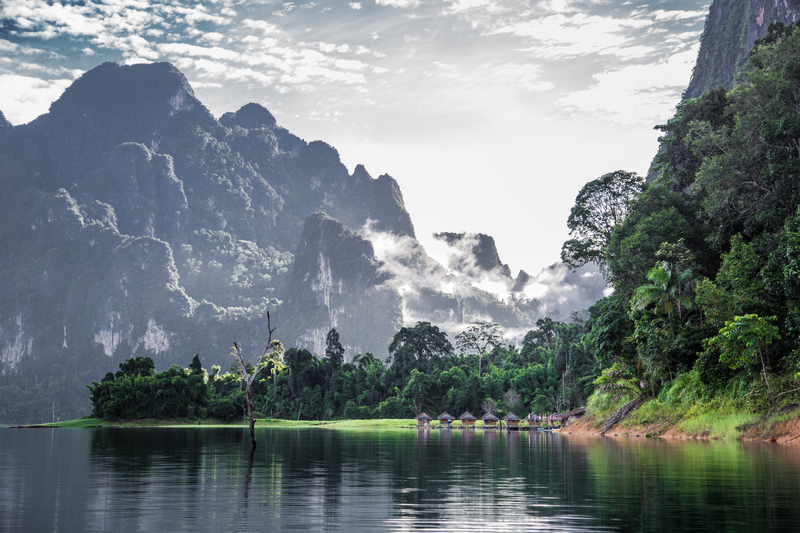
(249, 116)
(337, 281)
(126, 91)
(478, 250)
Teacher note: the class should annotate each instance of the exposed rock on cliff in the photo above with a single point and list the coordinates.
(732, 26)
(337, 282)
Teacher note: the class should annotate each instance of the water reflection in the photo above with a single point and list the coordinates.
(210, 480)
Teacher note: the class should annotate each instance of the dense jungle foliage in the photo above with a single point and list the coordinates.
(554, 368)
(705, 265)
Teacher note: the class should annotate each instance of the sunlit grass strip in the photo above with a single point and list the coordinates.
(716, 425)
(268, 422)
(397, 423)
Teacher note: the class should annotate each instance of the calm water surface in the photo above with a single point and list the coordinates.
(164, 479)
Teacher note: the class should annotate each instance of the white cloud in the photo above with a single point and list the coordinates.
(265, 27)
(398, 3)
(350, 64)
(524, 76)
(465, 5)
(560, 36)
(211, 37)
(205, 84)
(354, 5)
(25, 97)
(184, 49)
(8, 46)
(636, 93)
(660, 14)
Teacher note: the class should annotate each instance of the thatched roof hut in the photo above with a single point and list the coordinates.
(511, 420)
(445, 419)
(489, 420)
(423, 419)
(467, 419)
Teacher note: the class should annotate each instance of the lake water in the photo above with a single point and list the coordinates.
(169, 479)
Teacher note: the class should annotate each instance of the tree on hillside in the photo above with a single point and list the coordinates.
(751, 185)
(600, 206)
(620, 382)
(666, 291)
(744, 341)
(478, 337)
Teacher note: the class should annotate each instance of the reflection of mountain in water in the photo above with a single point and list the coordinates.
(176, 479)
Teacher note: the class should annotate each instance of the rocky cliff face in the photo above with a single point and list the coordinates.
(732, 26)
(134, 220)
(337, 282)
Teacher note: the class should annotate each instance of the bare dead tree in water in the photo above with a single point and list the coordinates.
(272, 354)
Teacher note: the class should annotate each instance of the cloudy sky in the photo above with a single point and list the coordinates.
(491, 114)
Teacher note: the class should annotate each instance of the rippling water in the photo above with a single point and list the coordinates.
(169, 479)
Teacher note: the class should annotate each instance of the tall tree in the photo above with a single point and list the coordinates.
(478, 337)
(334, 352)
(416, 347)
(601, 205)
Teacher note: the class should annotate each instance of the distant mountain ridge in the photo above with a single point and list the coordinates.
(130, 155)
(135, 223)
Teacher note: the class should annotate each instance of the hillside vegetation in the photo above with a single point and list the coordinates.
(705, 263)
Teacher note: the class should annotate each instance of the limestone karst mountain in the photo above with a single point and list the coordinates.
(135, 222)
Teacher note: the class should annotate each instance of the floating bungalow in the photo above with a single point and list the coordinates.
(423, 420)
(512, 421)
(445, 420)
(467, 420)
(489, 420)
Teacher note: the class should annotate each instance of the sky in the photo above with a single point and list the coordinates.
(491, 114)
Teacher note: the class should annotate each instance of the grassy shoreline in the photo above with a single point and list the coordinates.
(702, 420)
(378, 423)
(211, 423)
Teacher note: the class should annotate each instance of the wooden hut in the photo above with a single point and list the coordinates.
(424, 419)
(445, 420)
(467, 419)
(512, 421)
(489, 420)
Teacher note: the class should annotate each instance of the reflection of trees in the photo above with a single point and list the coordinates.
(686, 486)
(317, 479)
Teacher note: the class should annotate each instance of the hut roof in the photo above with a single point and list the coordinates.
(467, 416)
(565, 416)
(446, 416)
(489, 416)
(512, 417)
(423, 416)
